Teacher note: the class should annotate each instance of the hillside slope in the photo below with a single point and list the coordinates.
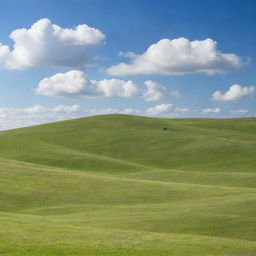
(122, 185)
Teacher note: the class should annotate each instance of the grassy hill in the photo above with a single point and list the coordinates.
(122, 185)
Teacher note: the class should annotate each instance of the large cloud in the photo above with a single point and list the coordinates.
(178, 56)
(75, 84)
(46, 44)
(157, 92)
(235, 92)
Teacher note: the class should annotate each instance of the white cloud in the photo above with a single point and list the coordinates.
(178, 56)
(235, 92)
(117, 88)
(211, 110)
(162, 109)
(157, 92)
(67, 109)
(167, 110)
(19, 117)
(75, 84)
(46, 44)
(72, 83)
(239, 112)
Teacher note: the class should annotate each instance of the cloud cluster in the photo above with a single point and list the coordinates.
(235, 92)
(46, 44)
(75, 84)
(178, 56)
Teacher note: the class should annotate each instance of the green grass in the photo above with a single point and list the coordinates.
(121, 185)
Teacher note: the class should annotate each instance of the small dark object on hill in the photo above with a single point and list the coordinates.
(165, 128)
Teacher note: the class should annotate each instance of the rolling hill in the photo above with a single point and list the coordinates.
(122, 185)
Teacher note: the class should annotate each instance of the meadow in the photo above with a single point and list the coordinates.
(122, 185)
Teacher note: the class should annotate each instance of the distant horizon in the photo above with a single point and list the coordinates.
(120, 114)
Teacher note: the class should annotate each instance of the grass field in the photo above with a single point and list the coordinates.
(121, 185)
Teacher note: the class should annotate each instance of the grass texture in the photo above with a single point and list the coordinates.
(121, 185)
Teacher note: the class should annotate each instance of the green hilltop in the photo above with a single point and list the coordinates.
(123, 185)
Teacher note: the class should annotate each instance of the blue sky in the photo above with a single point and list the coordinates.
(128, 26)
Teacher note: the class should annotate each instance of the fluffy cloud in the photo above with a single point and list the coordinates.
(46, 44)
(67, 109)
(116, 88)
(211, 110)
(157, 92)
(75, 84)
(235, 92)
(70, 84)
(162, 109)
(178, 56)
(239, 112)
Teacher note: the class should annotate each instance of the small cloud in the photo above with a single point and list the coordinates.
(235, 92)
(162, 109)
(67, 109)
(157, 92)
